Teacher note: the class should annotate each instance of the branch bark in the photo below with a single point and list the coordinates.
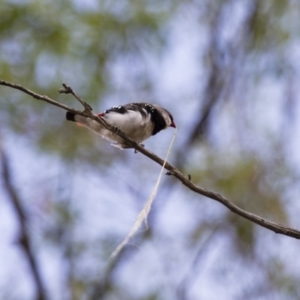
(185, 180)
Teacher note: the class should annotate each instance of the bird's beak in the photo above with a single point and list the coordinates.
(173, 125)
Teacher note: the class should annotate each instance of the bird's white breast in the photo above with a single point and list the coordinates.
(132, 123)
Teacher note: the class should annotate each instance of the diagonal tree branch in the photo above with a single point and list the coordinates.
(185, 180)
(24, 238)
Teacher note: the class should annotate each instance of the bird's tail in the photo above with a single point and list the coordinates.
(70, 116)
(86, 122)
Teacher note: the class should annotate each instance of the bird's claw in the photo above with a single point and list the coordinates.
(142, 145)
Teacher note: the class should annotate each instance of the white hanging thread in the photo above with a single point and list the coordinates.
(143, 215)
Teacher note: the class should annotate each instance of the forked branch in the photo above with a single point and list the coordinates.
(186, 180)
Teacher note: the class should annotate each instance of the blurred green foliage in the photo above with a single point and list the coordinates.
(242, 149)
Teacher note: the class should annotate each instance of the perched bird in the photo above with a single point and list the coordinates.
(138, 121)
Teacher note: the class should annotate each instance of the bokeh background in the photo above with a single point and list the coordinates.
(228, 71)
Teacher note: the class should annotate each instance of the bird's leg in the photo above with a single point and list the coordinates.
(116, 130)
(142, 145)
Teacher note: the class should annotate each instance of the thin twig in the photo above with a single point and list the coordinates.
(277, 228)
(68, 90)
(24, 238)
(55, 103)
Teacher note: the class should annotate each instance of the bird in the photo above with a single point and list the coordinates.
(139, 121)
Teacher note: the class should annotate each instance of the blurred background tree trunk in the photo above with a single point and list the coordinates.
(227, 70)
